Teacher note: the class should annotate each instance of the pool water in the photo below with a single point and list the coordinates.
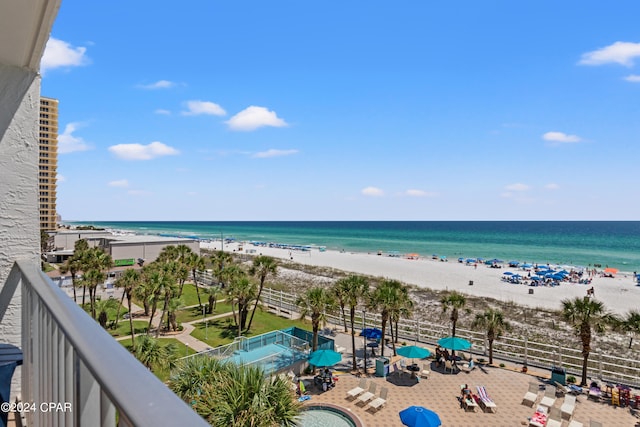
(324, 417)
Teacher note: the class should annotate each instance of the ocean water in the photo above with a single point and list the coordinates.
(578, 243)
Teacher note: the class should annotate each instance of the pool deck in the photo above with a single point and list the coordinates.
(440, 392)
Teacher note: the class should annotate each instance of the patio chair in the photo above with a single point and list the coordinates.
(486, 403)
(568, 406)
(357, 391)
(448, 366)
(539, 418)
(531, 396)
(561, 390)
(397, 370)
(595, 392)
(555, 418)
(368, 395)
(380, 401)
(549, 397)
(575, 423)
(425, 371)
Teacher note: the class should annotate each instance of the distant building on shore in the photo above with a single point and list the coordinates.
(48, 163)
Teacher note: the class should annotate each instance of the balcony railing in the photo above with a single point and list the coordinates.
(69, 359)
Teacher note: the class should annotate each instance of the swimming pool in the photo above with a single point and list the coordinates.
(327, 415)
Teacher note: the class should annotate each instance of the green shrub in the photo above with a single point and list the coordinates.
(502, 365)
(571, 379)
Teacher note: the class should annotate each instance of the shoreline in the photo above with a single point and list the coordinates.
(619, 294)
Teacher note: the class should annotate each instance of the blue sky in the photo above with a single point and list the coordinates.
(378, 110)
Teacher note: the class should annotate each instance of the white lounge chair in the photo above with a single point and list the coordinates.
(540, 417)
(568, 406)
(555, 418)
(549, 397)
(357, 391)
(425, 371)
(368, 395)
(575, 423)
(380, 401)
(468, 366)
(531, 396)
(486, 403)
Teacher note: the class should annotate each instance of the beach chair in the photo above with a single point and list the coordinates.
(425, 371)
(561, 390)
(368, 395)
(448, 366)
(397, 370)
(531, 396)
(380, 401)
(549, 397)
(568, 406)
(468, 367)
(539, 418)
(575, 423)
(555, 418)
(595, 392)
(357, 391)
(486, 403)
(469, 403)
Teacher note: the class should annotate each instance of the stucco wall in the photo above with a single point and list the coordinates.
(19, 222)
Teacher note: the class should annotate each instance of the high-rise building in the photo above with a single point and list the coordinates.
(48, 165)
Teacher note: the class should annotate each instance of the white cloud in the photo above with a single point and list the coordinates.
(160, 84)
(69, 143)
(60, 178)
(633, 78)
(418, 193)
(163, 112)
(196, 108)
(517, 187)
(119, 183)
(560, 137)
(274, 153)
(621, 53)
(252, 118)
(372, 191)
(59, 54)
(142, 152)
(138, 193)
(552, 186)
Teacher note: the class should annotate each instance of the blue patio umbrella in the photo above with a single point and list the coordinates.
(413, 352)
(507, 273)
(454, 343)
(418, 416)
(324, 358)
(371, 333)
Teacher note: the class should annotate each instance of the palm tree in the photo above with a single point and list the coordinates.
(262, 267)
(97, 263)
(385, 299)
(315, 302)
(91, 280)
(212, 293)
(585, 315)
(631, 324)
(229, 395)
(219, 259)
(456, 302)
(493, 322)
(129, 281)
(174, 305)
(402, 308)
(242, 292)
(73, 264)
(340, 293)
(196, 263)
(103, 307)
(355, 291)
(152, 354)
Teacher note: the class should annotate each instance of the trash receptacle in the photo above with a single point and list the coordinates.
(559, 375)
(382, 367)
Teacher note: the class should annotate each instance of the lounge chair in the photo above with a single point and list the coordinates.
(568, 406)
(357, 391)
(448, 366)
(555, 418)
(575, 423)
(380, 401)
(468, 367)
(562, 389)
(531, 396)
(539, 418)
(368, 395)
(425, 371)
(593, 423)
(486, 403)
(549, 397)
(595, 392)
(469, 403)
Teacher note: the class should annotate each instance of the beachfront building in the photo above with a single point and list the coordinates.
(50, 348)
(48, 163)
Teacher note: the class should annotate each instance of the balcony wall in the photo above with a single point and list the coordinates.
(19, 221)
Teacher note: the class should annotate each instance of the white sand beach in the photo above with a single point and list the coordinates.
(619, 294)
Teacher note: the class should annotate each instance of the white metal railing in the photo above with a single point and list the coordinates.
(603, 365)
(69, 359)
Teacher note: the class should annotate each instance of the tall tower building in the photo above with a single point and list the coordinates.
(48, 165)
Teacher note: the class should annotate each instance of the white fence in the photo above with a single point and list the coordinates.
(607, 367)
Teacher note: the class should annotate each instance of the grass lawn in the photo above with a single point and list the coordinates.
(188, 297)
(195, 313)
(181, 351)
(111, 314)
(139, 326)
(223, 331)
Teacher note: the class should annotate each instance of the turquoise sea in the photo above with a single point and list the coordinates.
(578, 243)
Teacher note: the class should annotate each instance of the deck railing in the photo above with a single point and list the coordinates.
(69, 359)
(516, 349)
